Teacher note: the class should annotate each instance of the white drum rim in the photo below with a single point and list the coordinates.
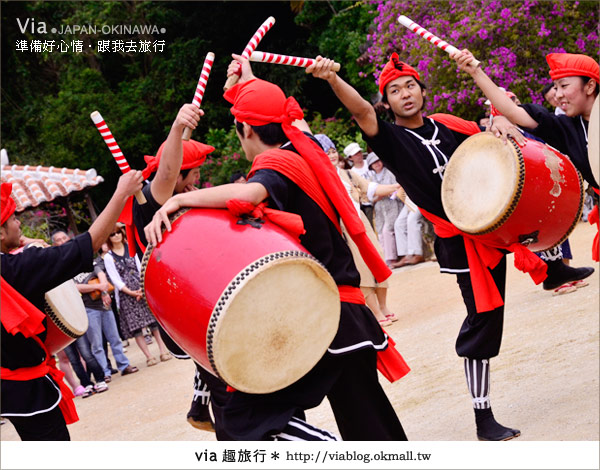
(58, 318)
(512, 202)
(228, 297)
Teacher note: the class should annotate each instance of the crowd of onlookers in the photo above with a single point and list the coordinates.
(112, 298)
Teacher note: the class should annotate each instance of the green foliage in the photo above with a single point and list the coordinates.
(341, 131)
(225, 160)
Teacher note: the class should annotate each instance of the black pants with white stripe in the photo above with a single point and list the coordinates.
(480, 335)
(350, 382)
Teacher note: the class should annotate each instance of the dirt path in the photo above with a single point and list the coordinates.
(544, 382)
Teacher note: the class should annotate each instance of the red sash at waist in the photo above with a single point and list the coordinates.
(483, 255)
(593, 218)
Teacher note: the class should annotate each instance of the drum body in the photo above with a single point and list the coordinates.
(506, 194)
(67, 318)
(242, 297)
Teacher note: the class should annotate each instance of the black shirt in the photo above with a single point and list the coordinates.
(420, 173)
(358, 327)
(566, 134)
(32, 273)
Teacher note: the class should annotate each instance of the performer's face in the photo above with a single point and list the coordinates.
(405, 97)
(10, 234)
(188, 183)
(573, 96)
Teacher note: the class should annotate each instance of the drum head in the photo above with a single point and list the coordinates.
(594, 140)
(276, 322)
(67, 310)
(480, 183)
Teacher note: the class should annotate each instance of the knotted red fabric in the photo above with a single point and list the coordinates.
(390, 362)
(21, 316)
(572, 65)
(257, 102)
(291, 223)
(594, 218)
(483, 255)
(194, 154)
(456, 124)
(7, 205)
(393, 70)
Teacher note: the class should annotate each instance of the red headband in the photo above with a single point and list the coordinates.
(7, 202)
(194, 154)
(572, 65)
(393, 70)
(249, 97)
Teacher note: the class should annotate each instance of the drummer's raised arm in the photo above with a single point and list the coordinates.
(361, 109)
(498, 97)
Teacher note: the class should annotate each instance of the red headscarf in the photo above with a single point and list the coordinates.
(7, 203)
(194, 154)
(572, 65)
(393, 70)
(257, 102)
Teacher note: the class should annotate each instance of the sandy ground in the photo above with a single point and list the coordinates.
(544, 382)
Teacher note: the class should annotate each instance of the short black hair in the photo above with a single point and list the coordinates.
(269, 134)
(184, 173)
(547, 88)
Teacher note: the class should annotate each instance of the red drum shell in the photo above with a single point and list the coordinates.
(506, 194)
(67, 318)
(249, 304)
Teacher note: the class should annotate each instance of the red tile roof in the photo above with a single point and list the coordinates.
(33, 185)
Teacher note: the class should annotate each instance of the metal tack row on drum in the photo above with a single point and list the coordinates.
(242, 297)
(504, 193)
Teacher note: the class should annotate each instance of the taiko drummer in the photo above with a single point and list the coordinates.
(417, 149)
(292, 173)
(34, 397)
(577, 78)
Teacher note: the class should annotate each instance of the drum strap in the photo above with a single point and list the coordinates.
(483, 256)
(584, 129)
(21, 316)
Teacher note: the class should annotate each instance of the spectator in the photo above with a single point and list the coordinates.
(102, 321)
(81, 348)
(408, 229)
(360, 167)
(386, 208)
(375, 293)
(124, 272)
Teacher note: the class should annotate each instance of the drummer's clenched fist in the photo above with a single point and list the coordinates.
(322, 68)
(188, 116)
(130, 183)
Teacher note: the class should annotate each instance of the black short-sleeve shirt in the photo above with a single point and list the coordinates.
(32, 273)
(420, 173)
(567, 134)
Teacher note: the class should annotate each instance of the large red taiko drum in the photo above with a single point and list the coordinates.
(506, 193)
(242, 297)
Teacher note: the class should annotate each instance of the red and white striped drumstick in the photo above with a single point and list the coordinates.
(200, 88)
(251, 46)
(114, 148)
(269, 57)
(417, 29)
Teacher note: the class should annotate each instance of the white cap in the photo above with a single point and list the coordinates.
(352, 149)
(372, 158)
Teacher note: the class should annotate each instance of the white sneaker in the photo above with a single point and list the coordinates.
(89, 391)
(100, 387)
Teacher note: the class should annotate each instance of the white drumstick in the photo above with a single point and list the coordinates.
(417, 29)
(269, 57)
(200, 88)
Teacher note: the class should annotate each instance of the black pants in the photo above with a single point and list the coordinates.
(480, 335)
(49, 426)
(368, 210)
(350, 382)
